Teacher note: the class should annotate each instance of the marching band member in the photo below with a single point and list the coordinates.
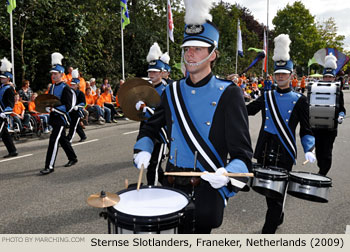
(167, 69)
(7, 101)
(205, 117)
(155, 73)
(325, 137)
(282, 109)
(77, 113)
(59, 117)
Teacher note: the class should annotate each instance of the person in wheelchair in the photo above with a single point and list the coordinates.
(19, 116)
(44, 118)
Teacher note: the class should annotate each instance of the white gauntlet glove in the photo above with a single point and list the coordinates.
(142, 158)
(310, 156)
(3, 115)
(340, 119)
(48, 109)
(216, 180)
(76, 108)
(139, 105)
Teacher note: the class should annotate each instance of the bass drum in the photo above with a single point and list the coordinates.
(309, 186)
(151, 210)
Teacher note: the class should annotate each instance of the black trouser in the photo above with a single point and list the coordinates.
(274, 214)
(6, 138)
(75, 127)
(113, 110)
(58, 136)
(209, 207)
(324, 140)
(155, 167)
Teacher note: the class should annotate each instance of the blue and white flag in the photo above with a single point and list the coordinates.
(239, 40)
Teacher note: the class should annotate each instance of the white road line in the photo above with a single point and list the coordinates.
(347, 230)
(90, 141)
(13, 158)
(131, 132)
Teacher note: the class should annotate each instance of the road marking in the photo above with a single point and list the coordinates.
(131, 132)
(13, 158)
(90, 141)
(347, 231)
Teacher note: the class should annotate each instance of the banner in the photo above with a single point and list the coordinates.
(239, 40)
(265, 50)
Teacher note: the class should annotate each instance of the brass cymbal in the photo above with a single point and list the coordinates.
(144, 93)
(46, 100)
(103, 199)
(129, 84)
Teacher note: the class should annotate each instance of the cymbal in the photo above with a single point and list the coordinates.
(129, 84)
(46, 100)
(143, 93)
(103, 199)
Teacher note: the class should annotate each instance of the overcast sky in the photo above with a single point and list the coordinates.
(321, 9)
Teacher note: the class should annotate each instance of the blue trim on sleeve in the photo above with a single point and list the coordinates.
(144, 144)
(342, 114)
(237, 166)
(308, 142)
(61, 108)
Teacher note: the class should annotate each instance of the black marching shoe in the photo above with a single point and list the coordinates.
(82, 139)
(12, 154)
(71, 162)
(46, 171)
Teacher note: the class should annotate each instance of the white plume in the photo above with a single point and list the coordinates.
(197, 11)
(75, 74)
(330, 61)
(6, 65)
(154, 53)
(56, 58)
(165, 58)
(281, 51)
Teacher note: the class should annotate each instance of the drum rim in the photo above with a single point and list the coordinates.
(310, 182)
(270, 176)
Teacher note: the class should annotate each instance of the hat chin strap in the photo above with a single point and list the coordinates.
(200, 62)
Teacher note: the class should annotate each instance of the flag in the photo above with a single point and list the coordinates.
(125, 13)
(342, 59)
(265, 50)
(239, 40)
(260, 56)
(170, 22)
(11, 5)
(311, 61)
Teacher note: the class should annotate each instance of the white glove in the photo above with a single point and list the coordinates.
(139, 104)
(48, 109)
(310, 156)
(142, 158)
(216, 180)
(3, 115)
(340, 119)
(75, 107)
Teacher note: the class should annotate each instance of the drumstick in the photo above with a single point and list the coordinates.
(126, 183)
(140, 178)
(305, 162)
(193, 174)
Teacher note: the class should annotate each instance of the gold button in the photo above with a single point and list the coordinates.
(213, 103)
(221, 88)
(286, 120)
(207, 123)
(193, 91)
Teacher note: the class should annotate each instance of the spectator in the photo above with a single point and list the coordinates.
(25, 93)
(105, 84)
(107, 97)
(19, 116)
(93, 86)
(99, 101)
(69, 75)
(43, 117)
(82, 85)
(92, 108)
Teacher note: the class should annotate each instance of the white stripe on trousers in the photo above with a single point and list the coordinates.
(161, 151)
(2, 126)
(75, 130)
(55, 149)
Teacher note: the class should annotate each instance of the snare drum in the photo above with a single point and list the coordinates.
(270, 181)
(151, 210)
(309, 186)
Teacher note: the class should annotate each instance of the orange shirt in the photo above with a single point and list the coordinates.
(254, 85)
(31, 106)
(19, 108)
(99, 101)
(89, 99)
(69, 79)
(302, 83)
(82, 85)
(294, 82)
(107, 97)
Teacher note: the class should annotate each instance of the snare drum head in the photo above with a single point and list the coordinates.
(269, 172)
(310, 176)
(151, 201)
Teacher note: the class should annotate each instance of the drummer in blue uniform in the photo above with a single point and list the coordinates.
(59, 117)
(155, 71)
(165, 58)
(7, 101)
(282, 110)
(325, 137)
(205, 119)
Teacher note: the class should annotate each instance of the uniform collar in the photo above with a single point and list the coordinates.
(202, 82)
(158, 85)
(283, 91)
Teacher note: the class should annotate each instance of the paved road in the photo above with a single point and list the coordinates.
(57, 203)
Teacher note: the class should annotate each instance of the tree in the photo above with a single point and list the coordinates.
(328, 31)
